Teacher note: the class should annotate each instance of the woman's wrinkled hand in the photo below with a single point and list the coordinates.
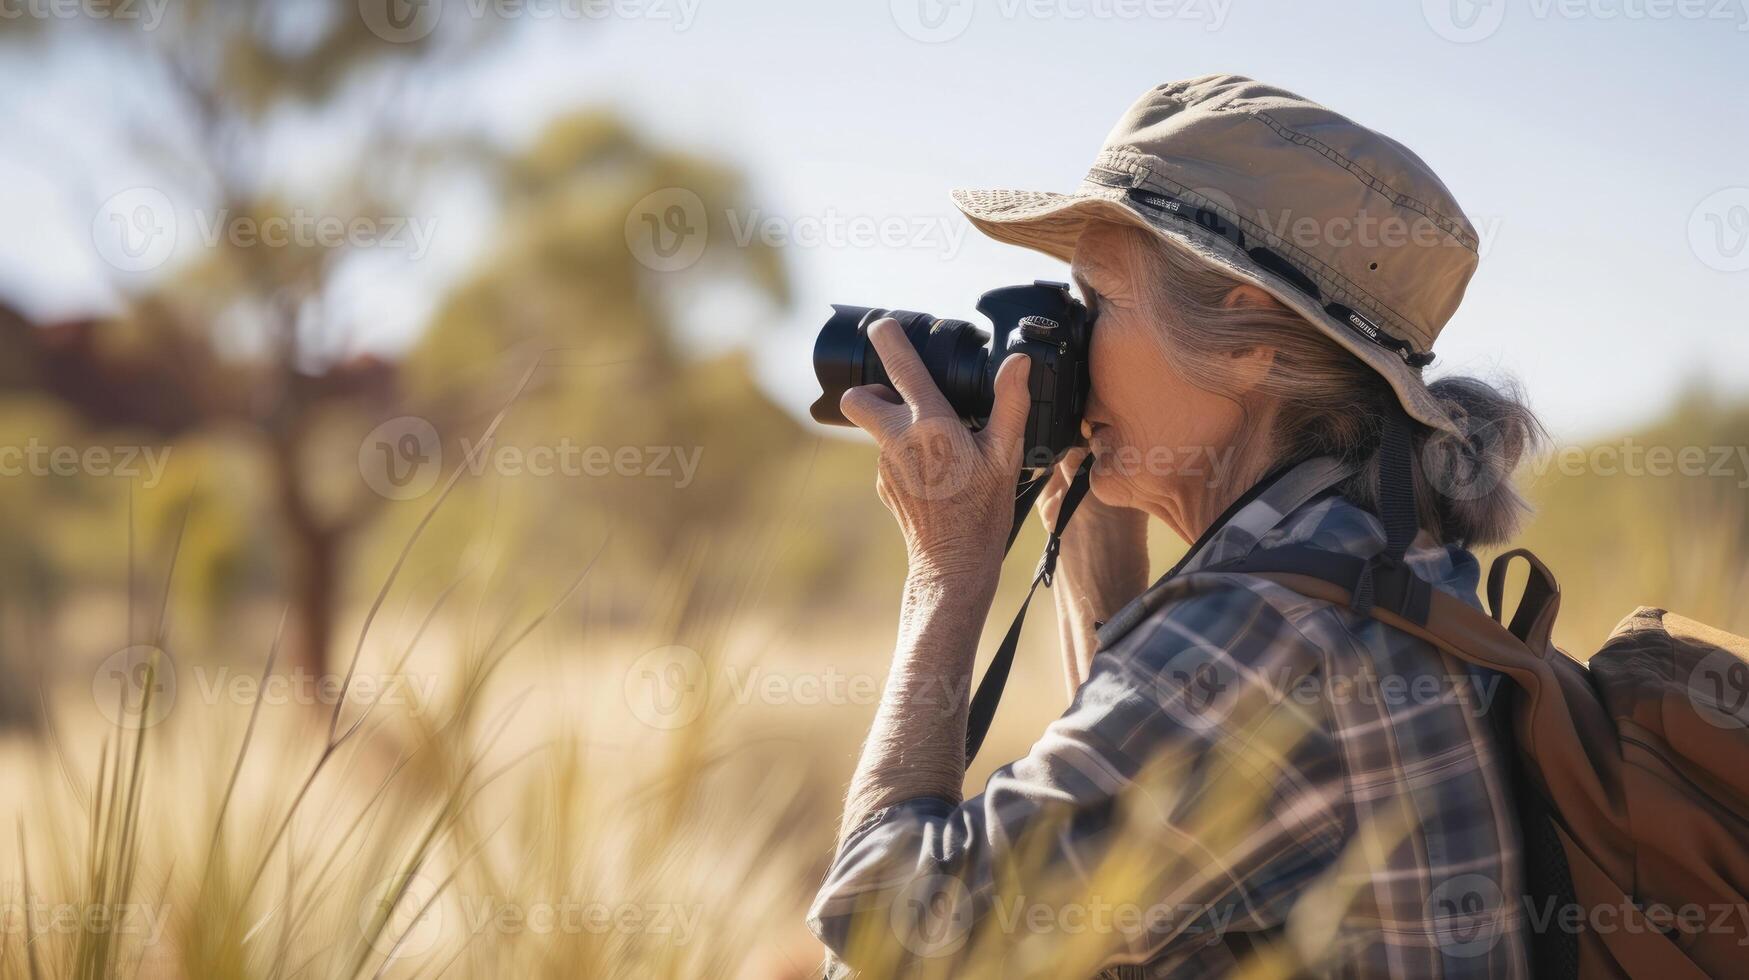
(951, 489)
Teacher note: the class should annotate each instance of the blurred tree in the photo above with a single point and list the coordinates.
(243, 334)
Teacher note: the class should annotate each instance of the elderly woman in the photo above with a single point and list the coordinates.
(1243, 770)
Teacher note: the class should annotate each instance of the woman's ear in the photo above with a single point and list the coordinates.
(1250, 366)
(1246, 295)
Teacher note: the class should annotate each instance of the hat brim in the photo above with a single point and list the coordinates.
(1052, 223)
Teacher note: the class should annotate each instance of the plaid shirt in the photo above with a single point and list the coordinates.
(1245, 761)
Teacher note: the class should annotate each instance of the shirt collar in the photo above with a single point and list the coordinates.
(1236, 532)
(1264, 512)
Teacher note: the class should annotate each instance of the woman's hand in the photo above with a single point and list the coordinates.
(952, 490)
(1103, 564)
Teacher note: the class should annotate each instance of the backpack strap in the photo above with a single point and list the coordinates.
(1384, 580)
(1395, 501)
(1464, 632)
(1534, 620)
(1392, 587)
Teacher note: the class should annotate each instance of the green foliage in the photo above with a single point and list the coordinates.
(562, 292)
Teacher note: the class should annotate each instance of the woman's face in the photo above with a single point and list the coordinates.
(1161, 444)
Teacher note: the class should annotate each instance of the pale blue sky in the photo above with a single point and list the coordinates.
(1586, 139)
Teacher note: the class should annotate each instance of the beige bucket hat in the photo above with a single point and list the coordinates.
(1346, 226)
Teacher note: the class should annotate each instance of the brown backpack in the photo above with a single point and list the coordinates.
(1632, 768)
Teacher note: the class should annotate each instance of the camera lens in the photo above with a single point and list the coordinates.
(954, 352)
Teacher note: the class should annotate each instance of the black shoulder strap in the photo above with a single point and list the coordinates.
(983, 708)
(1383, 581)
(1394, 497)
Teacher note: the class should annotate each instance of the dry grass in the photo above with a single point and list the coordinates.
(562, 798)
(528, 821)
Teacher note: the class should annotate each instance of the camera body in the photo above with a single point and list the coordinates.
(1043, 321)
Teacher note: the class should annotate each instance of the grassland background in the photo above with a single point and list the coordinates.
(723, 810)
(636, 698)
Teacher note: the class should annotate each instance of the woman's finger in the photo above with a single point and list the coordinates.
(906, 368)
(875, 410)
(1007, 426)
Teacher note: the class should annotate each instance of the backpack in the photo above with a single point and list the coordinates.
(1630, 769)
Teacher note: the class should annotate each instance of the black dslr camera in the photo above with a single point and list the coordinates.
(1043, 321)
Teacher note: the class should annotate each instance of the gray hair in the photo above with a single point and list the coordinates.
(1329, 403)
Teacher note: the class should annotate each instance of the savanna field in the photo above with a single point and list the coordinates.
(549, 775)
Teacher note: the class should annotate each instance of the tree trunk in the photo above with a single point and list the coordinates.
(314, 547)
(313, 594)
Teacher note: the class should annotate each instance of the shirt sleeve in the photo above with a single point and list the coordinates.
(1191, 789)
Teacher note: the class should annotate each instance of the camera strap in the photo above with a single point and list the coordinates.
(983, 708)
